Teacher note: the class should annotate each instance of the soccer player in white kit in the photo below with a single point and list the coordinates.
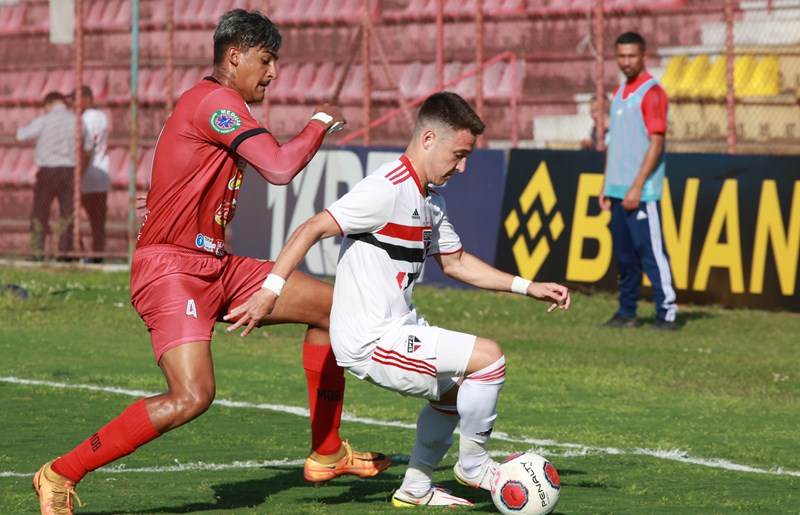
(391, 221)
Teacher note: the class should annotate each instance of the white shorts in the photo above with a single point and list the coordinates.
(418, 360)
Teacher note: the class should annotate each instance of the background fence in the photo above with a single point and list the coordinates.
(531, 67)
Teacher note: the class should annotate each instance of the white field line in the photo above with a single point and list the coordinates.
(541, 446)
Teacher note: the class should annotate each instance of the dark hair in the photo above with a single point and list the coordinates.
(54, 96)
(631, 38)
(86, 92)
(451, 110)
(245, 30)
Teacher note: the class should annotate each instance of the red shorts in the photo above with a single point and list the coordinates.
(181, 293)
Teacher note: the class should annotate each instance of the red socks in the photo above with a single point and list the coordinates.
(118, 438)
(325, 397)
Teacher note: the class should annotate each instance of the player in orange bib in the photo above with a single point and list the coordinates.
(183, 280)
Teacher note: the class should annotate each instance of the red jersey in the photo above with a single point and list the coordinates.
(196, 171)
(654, 103)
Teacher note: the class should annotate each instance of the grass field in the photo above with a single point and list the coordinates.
(702, 420)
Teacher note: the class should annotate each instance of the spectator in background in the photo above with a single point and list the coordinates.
(632, 185)
(599, 109)
(96, 181)
(55, 156)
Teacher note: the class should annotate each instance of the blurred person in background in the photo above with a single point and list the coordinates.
(96, 181)
(55, 156)
(633, 182)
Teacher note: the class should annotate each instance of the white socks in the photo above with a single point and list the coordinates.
(477, 406)
(435, 426)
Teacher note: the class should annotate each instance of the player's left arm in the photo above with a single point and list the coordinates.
(469, 269)
(654, 111)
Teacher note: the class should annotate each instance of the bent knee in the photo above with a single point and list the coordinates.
(191, 404)
(484, 353)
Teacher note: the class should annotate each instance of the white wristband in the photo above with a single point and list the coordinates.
(274, 283)
(323, 117)
(520, 285)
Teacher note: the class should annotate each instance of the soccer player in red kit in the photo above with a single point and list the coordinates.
(183, 280)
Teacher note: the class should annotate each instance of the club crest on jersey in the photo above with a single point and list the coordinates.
(413, 344)
(236, 182)
(225, 121)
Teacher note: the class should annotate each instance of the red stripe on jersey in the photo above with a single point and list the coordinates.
(399, 168)
(403, 232)
(401, 179)
(397, 173)
(393, 358)
(400, 278)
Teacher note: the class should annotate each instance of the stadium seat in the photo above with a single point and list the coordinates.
(281, 88)
(13, 19)
(30, 87)
(321, 88)
(8, 163)
(715, 85)
(673, 73)
(93, 17)
(118, 166)
(353, 87)
(743, 69)
(765, 80)
(409, 78)
(302, 81)
(25, 168)
(97, 80)
(693, 76)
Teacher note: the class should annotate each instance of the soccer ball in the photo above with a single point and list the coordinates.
(526, 484)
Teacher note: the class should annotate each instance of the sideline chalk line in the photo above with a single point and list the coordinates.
(570, 449)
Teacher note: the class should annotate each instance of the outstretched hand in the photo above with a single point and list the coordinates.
(557, 295)
(252, 312)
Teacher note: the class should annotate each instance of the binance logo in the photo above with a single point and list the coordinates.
(538, 223)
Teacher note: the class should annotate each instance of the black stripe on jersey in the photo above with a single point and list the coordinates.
(395, 252)
(246, 134)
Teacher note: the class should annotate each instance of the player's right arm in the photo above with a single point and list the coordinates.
(365, 208)
(279, 164)
(262, 302)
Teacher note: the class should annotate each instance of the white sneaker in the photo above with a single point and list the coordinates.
(482, 480)
(435, 497)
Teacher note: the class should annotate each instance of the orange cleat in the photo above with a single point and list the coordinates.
(361, 464)
(54, 491)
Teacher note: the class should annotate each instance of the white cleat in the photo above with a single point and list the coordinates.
(482, 480)
(435, 497)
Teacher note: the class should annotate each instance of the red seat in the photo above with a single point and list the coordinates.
(321, 88)
(8, 163)
(144, 168)
(118, 165)
(13, 19)
(25, 168)
(353, 87)
(280, 88)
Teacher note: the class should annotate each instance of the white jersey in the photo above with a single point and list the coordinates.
(389, 226)
(97, 178)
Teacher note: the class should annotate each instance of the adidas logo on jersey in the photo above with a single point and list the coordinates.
(415, 215)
